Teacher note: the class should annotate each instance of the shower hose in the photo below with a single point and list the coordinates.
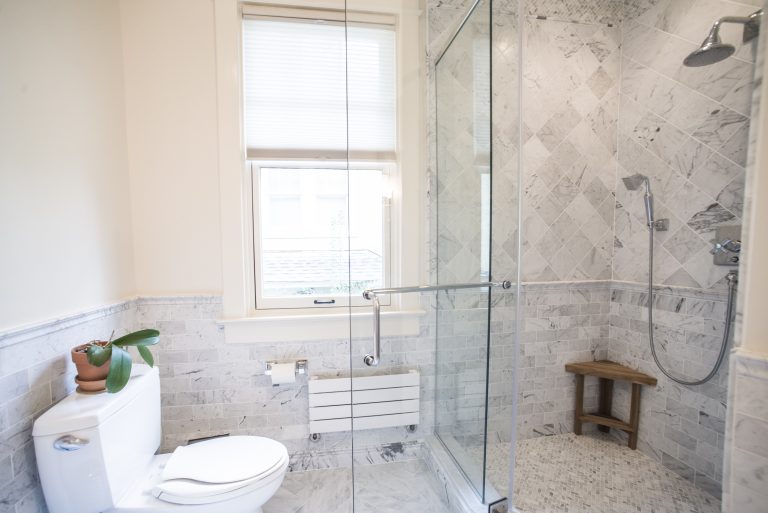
(732, 279)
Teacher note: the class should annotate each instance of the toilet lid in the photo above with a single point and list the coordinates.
(225, 460)
(188, 491)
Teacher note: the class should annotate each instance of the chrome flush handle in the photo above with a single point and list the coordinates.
(69, 443)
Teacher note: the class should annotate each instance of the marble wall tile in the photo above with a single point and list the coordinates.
(562, 323)
(677, 126)
(35, 372)
(211, 388)
(746, 391)
(570, 77)
(746, 464)
(683, 427)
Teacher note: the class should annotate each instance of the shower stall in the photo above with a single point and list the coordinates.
(559, 137)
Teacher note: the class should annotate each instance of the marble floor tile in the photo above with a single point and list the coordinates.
(563, 473)
(401, 487)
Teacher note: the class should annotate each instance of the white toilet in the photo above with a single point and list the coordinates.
(96, 453)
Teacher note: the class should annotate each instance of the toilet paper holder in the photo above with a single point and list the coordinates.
(301, 367)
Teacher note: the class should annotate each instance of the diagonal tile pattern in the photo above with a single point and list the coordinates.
(685, 128)
(571, 80)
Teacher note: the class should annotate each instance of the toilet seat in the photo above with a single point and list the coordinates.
(220, 469)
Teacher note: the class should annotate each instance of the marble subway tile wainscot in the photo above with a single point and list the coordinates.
(210, 387)
(36, 372)
(682, 427)
(562, 323)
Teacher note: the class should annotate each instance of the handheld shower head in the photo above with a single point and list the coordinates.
(633, 183)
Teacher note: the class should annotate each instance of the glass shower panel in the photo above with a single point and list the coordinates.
(463, 219)
(392, 407)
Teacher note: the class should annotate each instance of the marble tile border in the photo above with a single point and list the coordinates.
(27, 332)
(669, 290)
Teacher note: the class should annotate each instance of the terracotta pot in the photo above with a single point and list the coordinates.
(91, 386)
(86, 371)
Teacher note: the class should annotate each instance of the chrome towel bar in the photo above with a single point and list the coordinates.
(372, 360)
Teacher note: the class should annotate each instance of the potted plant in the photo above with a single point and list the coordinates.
(107, 364)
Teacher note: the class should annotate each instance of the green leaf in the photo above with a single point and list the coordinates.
(119, 370)
(138, 338)
(147, 355)
(98, 355)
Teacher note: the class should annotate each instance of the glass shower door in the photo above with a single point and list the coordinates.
(423, 381)
(463, 243)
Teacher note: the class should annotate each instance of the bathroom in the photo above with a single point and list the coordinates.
(253, 179)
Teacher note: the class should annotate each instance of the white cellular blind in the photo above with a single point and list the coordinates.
(300, 94)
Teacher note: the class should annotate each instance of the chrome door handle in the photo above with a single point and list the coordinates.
(372, 360)
(69, 443)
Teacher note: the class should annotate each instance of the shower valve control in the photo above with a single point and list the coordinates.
(727, 245)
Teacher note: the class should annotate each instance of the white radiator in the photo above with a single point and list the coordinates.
(375, 402)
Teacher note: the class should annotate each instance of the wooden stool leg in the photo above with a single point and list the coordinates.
(579, 409)
(634, 415)
(606, 401)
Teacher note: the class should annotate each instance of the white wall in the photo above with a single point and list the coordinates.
(170, 84)
(65, 229)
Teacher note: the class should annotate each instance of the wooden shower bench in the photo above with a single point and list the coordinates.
(608, 372)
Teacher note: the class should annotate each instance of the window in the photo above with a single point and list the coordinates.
(320, 130)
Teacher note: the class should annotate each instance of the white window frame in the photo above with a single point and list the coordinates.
(391, 173)
(241, 321)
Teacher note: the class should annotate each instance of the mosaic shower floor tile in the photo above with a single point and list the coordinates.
(593, 473)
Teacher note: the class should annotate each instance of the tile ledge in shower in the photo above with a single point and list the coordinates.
(674, 290)
(309, 327)
(671, 290)
(557, 285)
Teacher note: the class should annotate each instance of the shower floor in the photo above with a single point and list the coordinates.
(592, 473)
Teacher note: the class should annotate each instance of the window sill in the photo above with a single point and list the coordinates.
(309, 327)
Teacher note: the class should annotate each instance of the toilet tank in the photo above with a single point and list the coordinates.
(91, 447)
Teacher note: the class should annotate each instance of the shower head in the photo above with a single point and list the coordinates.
(712, 50)
(633, 183)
